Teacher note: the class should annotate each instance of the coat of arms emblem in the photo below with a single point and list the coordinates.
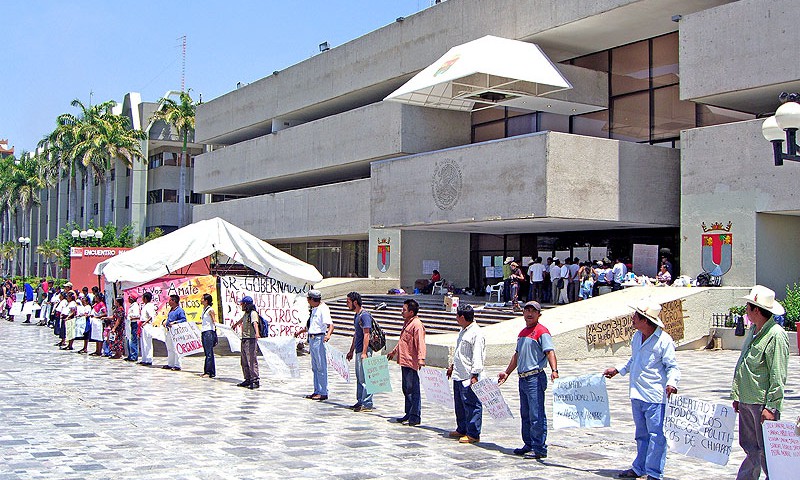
(716, 249)
(384, 259)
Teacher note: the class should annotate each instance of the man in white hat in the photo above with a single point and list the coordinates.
(759, 378)
(654, 377)
(320, 329)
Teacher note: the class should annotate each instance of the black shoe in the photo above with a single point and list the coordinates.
(413, 423)
(27, 321)
(629, 473)
(211, 375)
(355, 406)
(166, 367)
(246, 383)
(253, 385)
(400, 420)
(522, 451)
(176, 369)
(534, 455)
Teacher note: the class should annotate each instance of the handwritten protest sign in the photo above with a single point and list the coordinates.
(186, 338)
(234, 342)
(376, 373)
(436, 385)
(283, 305)
(97, 330)
(699, 429)
(782, 447)
(80, 327)
(280, 355)
(581, 402)
(69, 328)
(488, 392)
(16, 309)
(620, 329)
(672, 316)
(189, 289)
(158, 333)
(338, 362)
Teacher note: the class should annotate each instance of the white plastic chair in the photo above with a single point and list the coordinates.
(498, 289)
(439, 285)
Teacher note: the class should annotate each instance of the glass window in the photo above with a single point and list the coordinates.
(155, 196)
(489, 131)
(670, 114)
(487, 115)
(665, 60)
(596, 61)
(127, 202)
(630, 68)
(553, 123)
(522, 124)
(593, 124)
(708, 115)
(170, 158)
(170, 196)
(490, 242)
(631, 119)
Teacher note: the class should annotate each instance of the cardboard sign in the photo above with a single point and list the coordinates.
(699, 429)
(436, 385)
(376, 373)
(189, 289)
(581, 402)
(69, 329)
(283, 305)
(97, 330)
(620, 329)
(672, 316)
(337, 360)
(186, 338)
(488, 392)
(280, 355)
(782, 447)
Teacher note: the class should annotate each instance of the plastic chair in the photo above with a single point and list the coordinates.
(498, 289)
(439, 285)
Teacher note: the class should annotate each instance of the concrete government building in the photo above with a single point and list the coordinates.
(658, 142)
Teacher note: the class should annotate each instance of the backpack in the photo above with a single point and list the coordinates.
(377, 339)
(263, 325)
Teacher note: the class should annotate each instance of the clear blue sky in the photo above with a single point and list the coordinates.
(54, 51)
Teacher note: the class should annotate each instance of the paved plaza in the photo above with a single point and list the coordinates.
(66, 415)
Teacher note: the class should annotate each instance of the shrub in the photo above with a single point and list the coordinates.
(792, 305)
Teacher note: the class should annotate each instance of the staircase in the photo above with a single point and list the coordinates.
(431, 312)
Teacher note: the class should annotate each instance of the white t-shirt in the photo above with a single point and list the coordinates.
(536, 272)
(148, 312)
(207, 324)
(573, 271)
(320, 319)
(62, 308)
(565, 272)
(555, 272)
(134, 312)
(83, 311)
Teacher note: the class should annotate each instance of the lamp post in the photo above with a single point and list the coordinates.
(24, 243)
(783, 126)
(86, 235)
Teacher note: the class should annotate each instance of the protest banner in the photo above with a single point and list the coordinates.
(337, 360)
(16, 309)
(581, 402)
(186, 338)
(80, 327)
(437, 386)
(699, 429)
(69, 328)
(97, 330)
(782, 448)
(234, 342)
(189, 289)
(283, 305)
(488, 392)
(620, 329)
(672, 316)
(376, 373)
(157, 333)
(280, 356)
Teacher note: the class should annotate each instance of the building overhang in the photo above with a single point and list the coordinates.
(501, 226)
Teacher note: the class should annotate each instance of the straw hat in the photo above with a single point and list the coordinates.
(765, 298)
(650, 310)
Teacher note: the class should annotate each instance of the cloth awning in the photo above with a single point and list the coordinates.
(163, 255)
(484, 73)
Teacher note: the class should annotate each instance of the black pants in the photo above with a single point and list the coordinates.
(208, 348)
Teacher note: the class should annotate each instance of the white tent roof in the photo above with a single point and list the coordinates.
(484, 73)
(194, 242)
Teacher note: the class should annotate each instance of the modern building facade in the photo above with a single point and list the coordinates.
(653, 140)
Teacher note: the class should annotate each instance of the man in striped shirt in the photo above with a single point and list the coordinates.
(465, 370)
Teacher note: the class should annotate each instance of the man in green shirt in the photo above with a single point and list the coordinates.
(759, 378)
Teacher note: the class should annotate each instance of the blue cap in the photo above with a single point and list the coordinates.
(247, 299)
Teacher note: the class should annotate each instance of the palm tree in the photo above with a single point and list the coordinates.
(50, 251)
(29, 176)
(7, 252)
(6, 200)
(181, 117)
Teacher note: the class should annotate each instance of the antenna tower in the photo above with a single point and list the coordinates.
(183, 65)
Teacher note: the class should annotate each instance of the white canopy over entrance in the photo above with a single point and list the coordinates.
(194, 242)
(484, 73)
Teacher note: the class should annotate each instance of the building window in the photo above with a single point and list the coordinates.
(113, 174)
(96, 208)
(155, 196)
(81, 213)
(196, 198)
(170, 196)
(127, 172)
(112, 204)
(127, 202)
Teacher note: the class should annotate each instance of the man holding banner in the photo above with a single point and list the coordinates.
(320, 329)
(175, 316)
(250, 335)
(467, 366)
(410, 353)
(362, 324)
(654, 376)
(147, 314)
(759, 378)
(534, 351)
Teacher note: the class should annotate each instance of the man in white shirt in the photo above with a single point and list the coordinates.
(562, 293)
(319, 328)
(618, 273)
(536, 277)
(466, 369)
(134, 313)
(574, 283)
(147, 316)
(555, 276)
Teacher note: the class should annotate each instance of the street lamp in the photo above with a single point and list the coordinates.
(24, 242)
(86, 234)
(784, 125)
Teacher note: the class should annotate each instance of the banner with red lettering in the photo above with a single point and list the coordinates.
(186, 337)
(190, 289)
(283, 305)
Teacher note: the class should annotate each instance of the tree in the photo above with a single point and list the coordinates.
(7, 251)
(50, 252)
(57, 150)
(6, 200)
(181, 117)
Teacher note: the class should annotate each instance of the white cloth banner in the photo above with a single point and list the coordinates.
(782, 447)
(157, 333)
(234, 342)
(337, 360)
(488, 392)
(581, 402)
(280, 355)
(97, 330)
(16, 308)
(284, 306)
(437, 386)
(186, 338)
(80, 327)
(700, 429)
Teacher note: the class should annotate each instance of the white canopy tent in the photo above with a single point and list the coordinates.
(194, 242)
(484, 73)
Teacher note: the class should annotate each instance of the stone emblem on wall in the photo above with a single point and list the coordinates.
(716, 247)
(447, 184)
(384, 259)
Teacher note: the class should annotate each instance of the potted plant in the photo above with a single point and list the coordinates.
(792, 305)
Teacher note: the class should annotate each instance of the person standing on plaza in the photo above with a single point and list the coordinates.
(515, 279)
(359, 347)
(654, 376)
(759, 378)
(208, 335)
(99, 312)
(61, 312)
(134, 314)
(575, 280)
(534, 352)
(251, 332)
(547, 284)
(82, 317)
(465, 370)
(618, 275)
(536, 277)
(410, 353)
(563, 298)
(175, 316)
(320, 329)
(147, 314)
(556, 280)
(116, 338)
(70, 312)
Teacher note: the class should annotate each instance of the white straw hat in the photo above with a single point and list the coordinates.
(650, 310)
(765, 298)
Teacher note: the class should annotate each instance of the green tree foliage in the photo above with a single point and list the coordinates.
(792, 305)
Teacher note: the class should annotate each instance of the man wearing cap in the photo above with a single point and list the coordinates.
(534, 351)
(466, 369)
(507, 278)
(319, 328)
(250, 334)
(134, 313)
(759, 378)
(654, 376)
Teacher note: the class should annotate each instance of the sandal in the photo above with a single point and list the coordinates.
(83, 350)
(95, 354)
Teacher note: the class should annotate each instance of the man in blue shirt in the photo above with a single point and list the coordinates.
(654, 377)
(362, 323)
(534, 351)
(176, 315)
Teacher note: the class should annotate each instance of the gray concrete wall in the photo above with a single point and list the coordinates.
(451, 249)
(328, 211)
(728, 175)
(778, 258)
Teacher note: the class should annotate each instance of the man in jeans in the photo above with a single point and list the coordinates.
(467, 366)
(362, 323)
(320, 329)
(134, 313)
(410, 354)
(176, 315)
